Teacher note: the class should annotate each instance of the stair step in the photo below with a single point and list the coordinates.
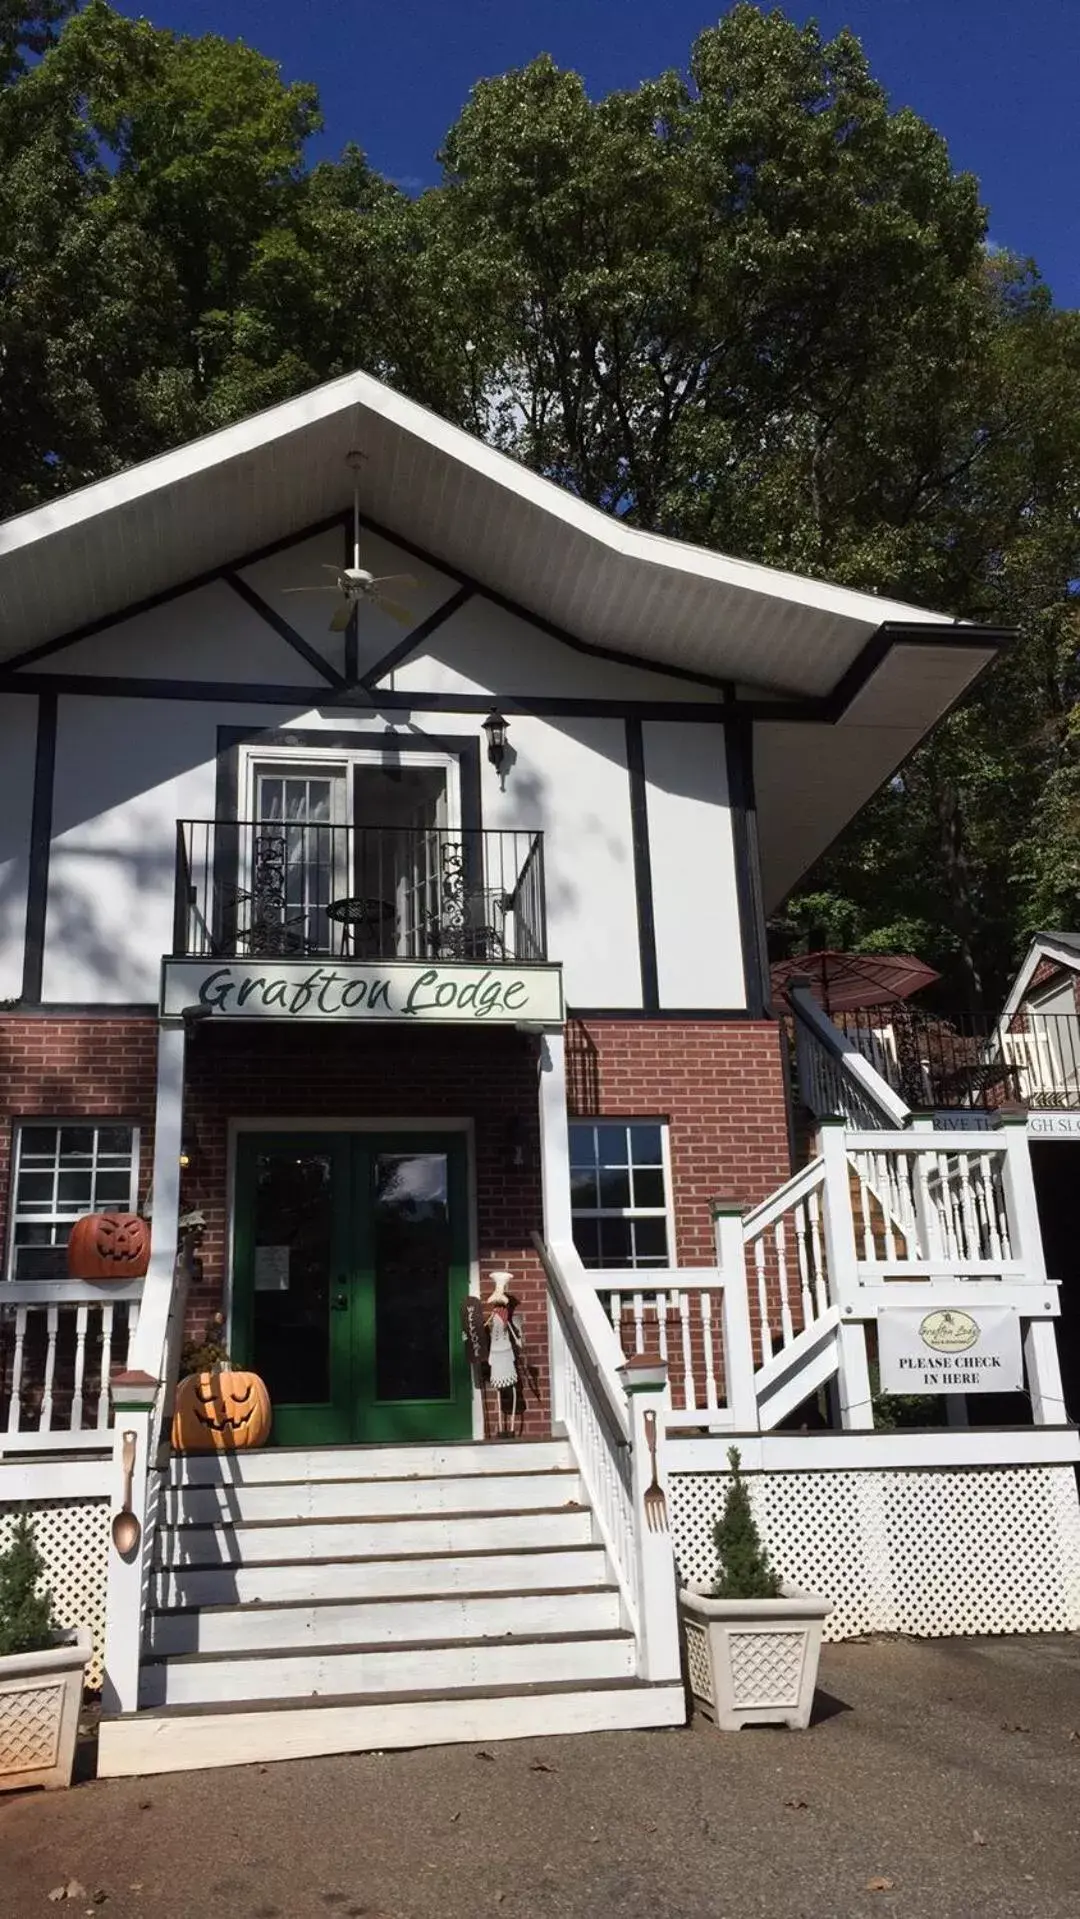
(282, 1465)
(439, 1574)
(228, 1678)
(372, 1498)
(329, 1624)
(199, 1737)
(278, 1541)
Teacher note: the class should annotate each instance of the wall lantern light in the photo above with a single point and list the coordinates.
(498, 749)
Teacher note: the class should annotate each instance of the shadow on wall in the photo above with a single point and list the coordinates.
(112, 877)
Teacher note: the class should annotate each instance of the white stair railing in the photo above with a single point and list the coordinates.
(604, 1405)
(835, 1078)
(784, 1240)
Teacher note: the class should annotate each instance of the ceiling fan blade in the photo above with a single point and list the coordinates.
(341, 616)
(310, 589)
(399, 613)
(395, 579)
(328, 567)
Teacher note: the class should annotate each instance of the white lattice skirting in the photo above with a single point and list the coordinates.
(73, 1539)
(928, 1553)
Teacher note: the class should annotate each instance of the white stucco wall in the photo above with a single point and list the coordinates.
(127, 770)
(695, 903)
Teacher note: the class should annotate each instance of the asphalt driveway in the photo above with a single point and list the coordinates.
(941, 1779)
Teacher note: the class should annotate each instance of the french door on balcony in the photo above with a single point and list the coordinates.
(350, 1267)
(345, 860)
(299, 862)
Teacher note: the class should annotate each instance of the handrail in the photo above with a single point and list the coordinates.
(610, 1407)
(867, 1088)
(805, 1181)
(617, 1432)
(70, 1292)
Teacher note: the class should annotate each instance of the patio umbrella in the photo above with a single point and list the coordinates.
(844, 982)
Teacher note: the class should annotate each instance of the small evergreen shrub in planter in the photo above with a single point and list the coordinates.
(752, 1644)
(41, 1673)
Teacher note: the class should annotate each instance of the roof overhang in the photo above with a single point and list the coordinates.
(803, 649)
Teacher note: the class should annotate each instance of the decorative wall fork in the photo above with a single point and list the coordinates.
(654, 1502)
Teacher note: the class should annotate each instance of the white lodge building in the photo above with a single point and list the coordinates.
(414, 934)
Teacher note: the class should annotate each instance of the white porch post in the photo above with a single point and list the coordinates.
(646, 1387)
(137, 1392)
(853, 1373)
(134, 1405)
(1041, 1359)
(555, 1186)
(738, 1335)
(146, 1354)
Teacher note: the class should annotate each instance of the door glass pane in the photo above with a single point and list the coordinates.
(292, 1261)
(412, 1256)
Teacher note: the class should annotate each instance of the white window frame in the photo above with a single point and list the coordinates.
(63, 1216)
(319, 759)
(665, 1212)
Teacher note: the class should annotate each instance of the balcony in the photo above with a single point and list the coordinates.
(289, 889)
(970, 1061)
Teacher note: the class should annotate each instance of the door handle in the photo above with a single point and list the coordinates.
(339, 1303)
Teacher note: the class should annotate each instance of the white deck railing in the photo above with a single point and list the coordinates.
(59, 1342)
(835, 1077)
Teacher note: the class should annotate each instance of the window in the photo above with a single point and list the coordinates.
(64, 1168)
(619, 1192)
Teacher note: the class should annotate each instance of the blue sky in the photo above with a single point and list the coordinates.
(998, 77)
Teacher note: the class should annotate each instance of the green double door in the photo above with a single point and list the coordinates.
(350, 1266)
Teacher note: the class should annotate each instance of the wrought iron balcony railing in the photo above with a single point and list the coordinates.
(287, 888)
(970, 1061)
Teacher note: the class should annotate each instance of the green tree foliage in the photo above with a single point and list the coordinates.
(748, 304)
(743, 1571)
(26, 1615)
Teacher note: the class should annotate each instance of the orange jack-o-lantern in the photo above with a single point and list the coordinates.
(220, 1413)
(109, 1246)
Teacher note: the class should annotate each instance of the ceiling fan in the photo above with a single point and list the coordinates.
(354, 585)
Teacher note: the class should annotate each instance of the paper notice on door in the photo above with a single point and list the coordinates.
(271, 1269)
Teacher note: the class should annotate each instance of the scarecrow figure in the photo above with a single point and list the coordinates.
(495, 1338)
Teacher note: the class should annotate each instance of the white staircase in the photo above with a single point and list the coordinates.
(305, 1602)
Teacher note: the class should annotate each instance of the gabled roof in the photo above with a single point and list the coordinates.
(1064, 948)
(174, 518)
(873, 670)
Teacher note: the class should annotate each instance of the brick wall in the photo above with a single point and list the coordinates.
(56, 1068)
(718, 1083)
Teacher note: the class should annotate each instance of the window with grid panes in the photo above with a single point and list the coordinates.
(619, 1192)
(63, 1169)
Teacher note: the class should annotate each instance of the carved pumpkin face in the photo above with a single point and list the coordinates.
(109, 1246)
(220, 1413)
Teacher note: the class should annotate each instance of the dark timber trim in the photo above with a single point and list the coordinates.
(415, 637)
(743, 803)
(639, 827)
(83, 1009)
(543, 625)
(37, 892)
(152, 600)
(261, 693)
(693, 1015)
(283, 629)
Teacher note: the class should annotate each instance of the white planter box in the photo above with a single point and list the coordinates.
(40, 1697)
(753, 1662)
